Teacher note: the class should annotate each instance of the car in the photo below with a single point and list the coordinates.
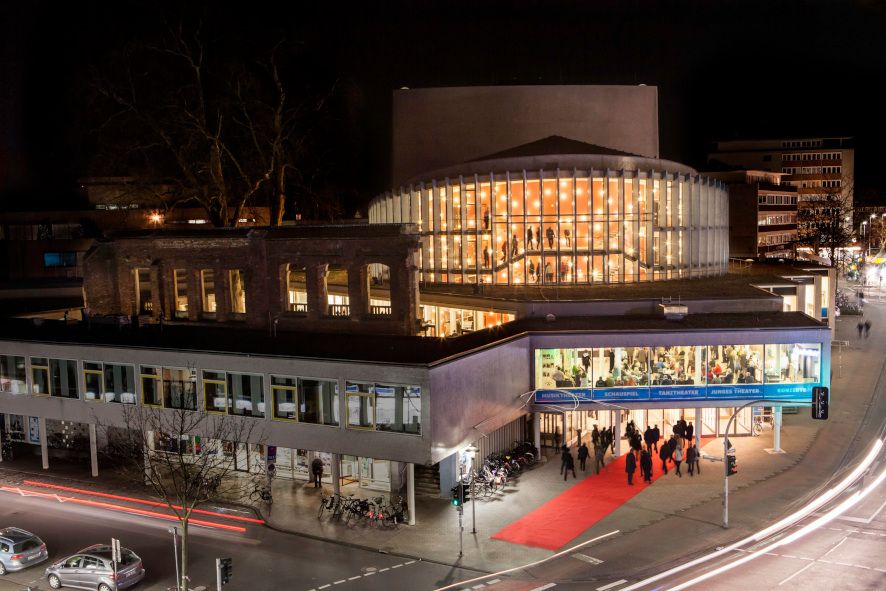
(20, 549)
(92, 568)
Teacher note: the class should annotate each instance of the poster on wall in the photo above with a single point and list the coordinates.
(33, 430)
(17, 427)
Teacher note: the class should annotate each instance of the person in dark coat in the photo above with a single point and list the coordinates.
(636, 441)
(564, 451)
(691, 458)
(646, 465)
(582, 456)
(647, 437)
(599, 457)
(664, 454)
(595, 436)
(689, 431)
(611, 438)
(631, 467)
(317, 471)
(568, 464)
(656, 435)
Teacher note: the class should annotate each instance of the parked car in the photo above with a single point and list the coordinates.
(92, 568)
(20, 549)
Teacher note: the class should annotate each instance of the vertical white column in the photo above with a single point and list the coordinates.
(698, 412)
(93, 450)
(336, 473)
(148, 451)
(563, 429)
(776, 429)
(616, 433)
(536, 431)
(44, 449)
(410, 492)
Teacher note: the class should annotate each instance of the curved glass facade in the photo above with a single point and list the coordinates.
(556, 228)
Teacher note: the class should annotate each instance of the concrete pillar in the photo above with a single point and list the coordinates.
(776, 430)
(195, 294)
(93, 450)
(149, 449)
(616, 433)
(358, 291)
(44, 448)
(818, 297)
(318, 294)
(336, 473)
(698, 422)
(536, 431)
(222, 294)
(410, 491)
(563, 429)
(158, 293)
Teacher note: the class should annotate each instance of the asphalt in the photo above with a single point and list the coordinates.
(672, 519)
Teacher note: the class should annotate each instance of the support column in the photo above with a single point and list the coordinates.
(149, 436)
(318, 295)
(563, 430)
(44, 448)
(698, 423)
(536, 431)
(93, 450)
(358, 290)
(776, 430)
(410, 491)
(336, 473)
(616, 433)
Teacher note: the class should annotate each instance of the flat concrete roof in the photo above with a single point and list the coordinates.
(385, 349)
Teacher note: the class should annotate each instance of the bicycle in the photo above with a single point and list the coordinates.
(761, 421)
(261, 493)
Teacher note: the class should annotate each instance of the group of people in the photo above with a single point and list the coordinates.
(864, 327)
(680, 447)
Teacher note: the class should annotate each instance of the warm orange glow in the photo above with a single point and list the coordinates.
(155, 217)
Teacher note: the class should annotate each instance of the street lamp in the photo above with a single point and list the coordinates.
(472, 453)
(174, 531)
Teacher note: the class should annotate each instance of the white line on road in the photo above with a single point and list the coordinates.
(838, 544)
(611, 585)
(588, 559)
(355, 578)
(339, 582)
(381, 570)
(796, 573)
(543, 587)
(493, 581)
(324, 586)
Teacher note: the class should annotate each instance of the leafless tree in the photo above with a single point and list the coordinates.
(197, 126)
(179, 455)
(825, 223)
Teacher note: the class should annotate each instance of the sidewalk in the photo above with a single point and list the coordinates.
(686, 509)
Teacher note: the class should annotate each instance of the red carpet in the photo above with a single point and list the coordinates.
(568, 515)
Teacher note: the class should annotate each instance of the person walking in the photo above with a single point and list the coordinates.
(631, 467)
(867, 328)
(646, 465)
(599, 458)
(691, 458)
(582, 456)
(663, 454)
(611, 438)
(647, 437)
(678, 458)
(860, 328)
(556, 437)
(656, 435)
(549, 233)
(568, 464)
(688, 432)
(528, 237)
(595, 436)
(317, 471)
(564, 451)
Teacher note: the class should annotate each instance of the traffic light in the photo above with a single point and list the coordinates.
(820, 403)
(456, 496)
(465, 493)
(227, 570)
(730, 465)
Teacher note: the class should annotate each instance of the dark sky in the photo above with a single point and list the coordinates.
(724, 69)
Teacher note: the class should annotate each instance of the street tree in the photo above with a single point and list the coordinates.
(196, 119)
(182, 458)
(825, 223)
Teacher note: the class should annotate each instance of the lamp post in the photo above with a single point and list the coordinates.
(174, 531)
(472, 453)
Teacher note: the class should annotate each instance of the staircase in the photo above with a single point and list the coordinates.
(427, 480)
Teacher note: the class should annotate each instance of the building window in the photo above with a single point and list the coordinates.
(793, 363)
(92, 380)
(63, 373)
(152, 385)
(207, 284)
(144, 302)
(238, 291)
(398, 408)
(180, 280)
(40, 375)
(119, 383)
(13, 377)
(284, 392)
(361, 405)
(215, 393)
(179, 388)
(318, 401)
(247, 394)
(59, 259)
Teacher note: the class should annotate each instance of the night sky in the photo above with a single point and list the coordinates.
(724, 69)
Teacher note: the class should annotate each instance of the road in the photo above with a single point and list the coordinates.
(264, 559)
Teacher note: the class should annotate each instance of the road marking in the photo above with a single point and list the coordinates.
(355, 578)
(480, 586)
(611, 585)
(410, 562)
(838, 544)
(493, 581)
(383, 570)
(369, 574)
(324, 586)
(397, 566)
(588, 559)
(543, 587)
(811, 564)
(339, 582)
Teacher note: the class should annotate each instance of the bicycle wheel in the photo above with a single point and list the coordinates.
(757, 429)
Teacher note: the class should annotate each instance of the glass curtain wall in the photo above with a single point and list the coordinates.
(564, 228)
